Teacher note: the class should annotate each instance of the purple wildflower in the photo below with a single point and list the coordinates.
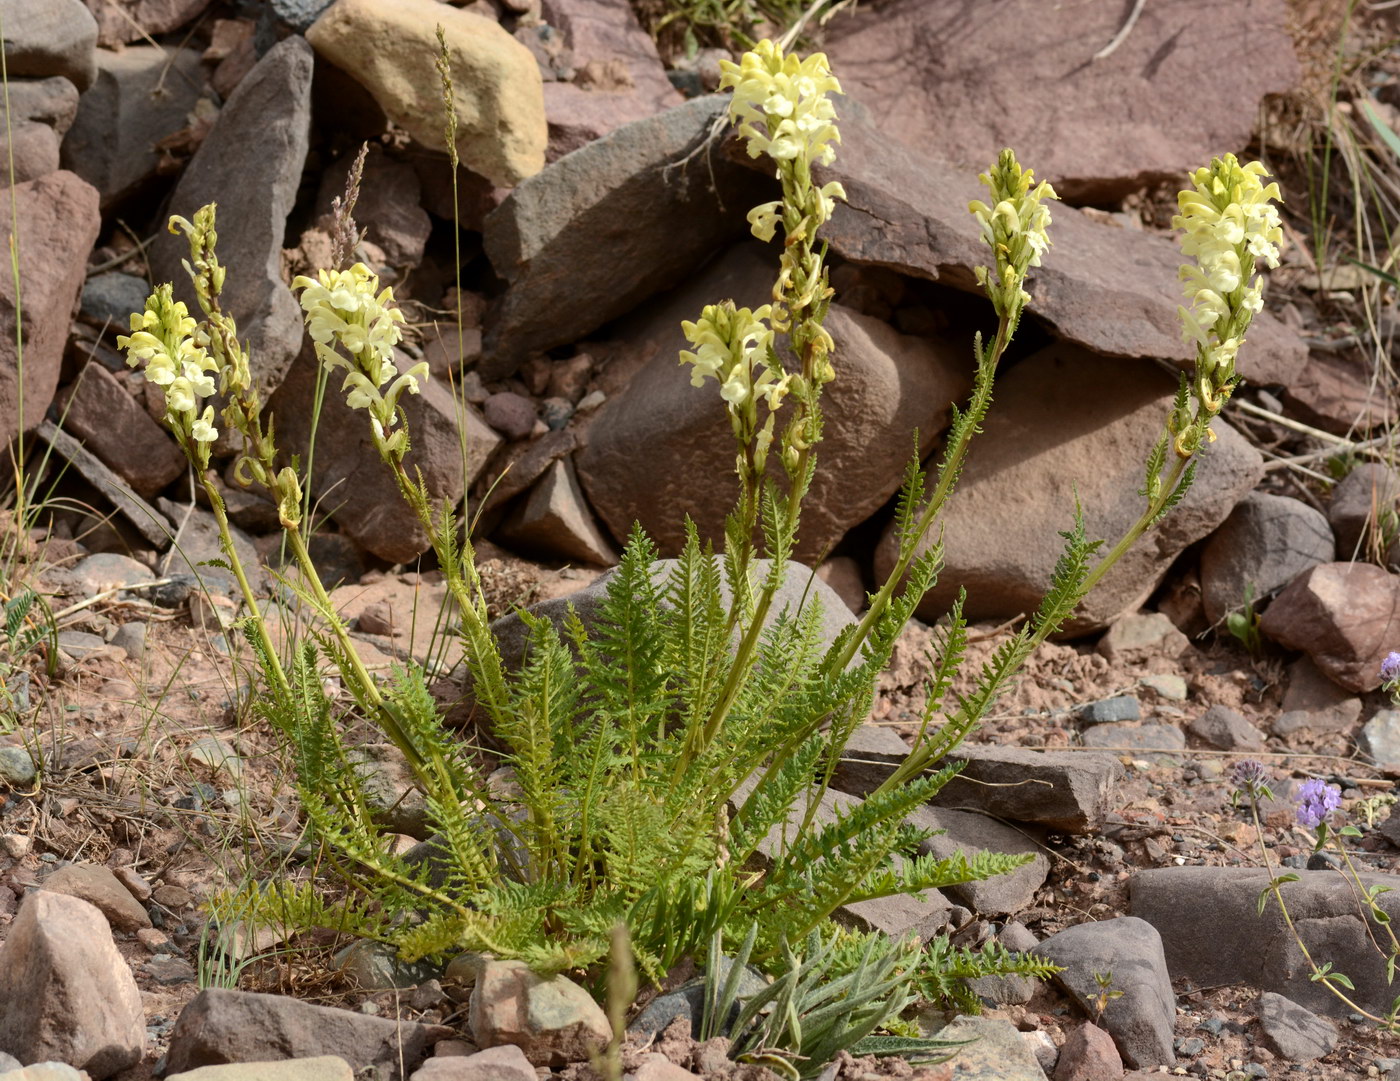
(1317, 800)
(1249, 776)
(1390, 667)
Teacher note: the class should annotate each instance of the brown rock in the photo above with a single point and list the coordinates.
(506, 1063)
(1067, 425)
(593, 234)
(58, 37)
(553, 1021)
(1110, 289)
(511, 414)
(387, 209)
(1312, 701)
(122, 21)
(1220, 726)
(887, 385)
(1266, 542)
(351, 481)
(67, 994)
(1345, 616)
(843, 574)
(1097, 127)
(59, 221)
(521, 464)
(1361, 502)
(99, 887)
(1089, 1054)
(555, 521)
(221, 1026)
(41, 112)
(118, 430)
(1335, 392)
(144, 518)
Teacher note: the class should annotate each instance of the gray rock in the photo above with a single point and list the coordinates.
(870, 756)
(322, 1068)
(1222, 727)
(8, 1062)
(110, 299)
(688, 1001)
(1380, 738)
(16, 768)
(1345, 616)
(510, 414)
(106, 571)
(45, 1071)
(144, 518)
(41, 111)
(1063, 790)
(136, 20)
(1266, 542)
(372, 966)
(1140, 634)
(1107, 414)
(1124, 707)
(78, 645)
(197, 541)
(1293, 1032)
(1009, 990)
(390, 789)
(298, 15)
(1218, 905)
(261, 137)
(1109, 289)
(887, 385)
(555, 521)
(1360, 502)
(597, 232)
(56, 37)
(996, 1051)
(131, 637)
(68, 995)
(1130, 949)
(1136, 738)
(141, 95)
(61, 221)
(1312, 701)
(1167, 685)
(972, 833)
(221, 1026)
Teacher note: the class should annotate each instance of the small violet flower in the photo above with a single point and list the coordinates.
(1390, 668)
(1250, 777)
(1317, 800)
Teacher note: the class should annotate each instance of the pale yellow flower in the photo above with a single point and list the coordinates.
(162, 343)
(1016, 226)
(780, 104)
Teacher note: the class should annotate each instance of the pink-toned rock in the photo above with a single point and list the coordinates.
(1111, 289)
(58, 225)
(505, 1063)
(618, 75)
(1097, 128)
(1068, 425)
(121, 433)
(556, 522)
(123, 21)
(67, 994)
(1314, 702)
(99, 887)
(1345, 616)
(888, 384)
(41, 112)
(1089, 1054)
(511, 414)
(1335, 392)
(553, 1021)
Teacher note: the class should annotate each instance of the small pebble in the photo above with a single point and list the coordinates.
(1124, 707)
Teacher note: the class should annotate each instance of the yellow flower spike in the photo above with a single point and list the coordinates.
(1015, 226)
(161, 344)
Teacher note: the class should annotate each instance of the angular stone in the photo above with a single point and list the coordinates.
(1121, 707)
(1292, 1032)
(1360, 502)
(123, 21)
(1380, 739)
(121, 433)
(972, 833)
(1135, 738)
(349, 478)
(1112, 290)
(1312, 701)
(58, 225)
(1111, 124)
(1345, 616)
(1062, 790)
(1010, 990)
(597, 232)
(1190, 906)
(1266, 542)
(994, 1051)
(44, 1071)
(390, 48)
(261, 137)
(99, 887)
(1336, 392)
(141, 95)
(506, 1063)
(555, 521)
(1089, 1054)
(553, 1021)
(67, 994)
(1069, 425)
(223, 1026)
(55, 37)
(602, 34)
(149, 522)
(888, 385)
(41, 111)
(1142, 633)
(1130, 950)
(1222, 727)
(521, 464)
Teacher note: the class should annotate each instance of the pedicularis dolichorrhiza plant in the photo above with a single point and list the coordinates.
(656, 749)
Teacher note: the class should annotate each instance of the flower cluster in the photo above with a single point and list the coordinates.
(1015, 225)
(1316, 800)
(1230, 222)
(1251, 779)
(780, 104)
(1390, 670)
(163, 339)
(346, 308)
